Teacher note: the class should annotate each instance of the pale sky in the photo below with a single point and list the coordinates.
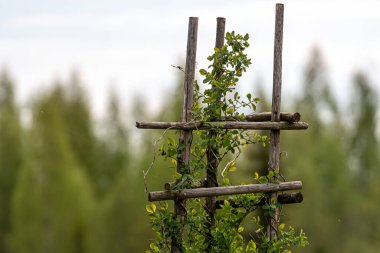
(131, 45)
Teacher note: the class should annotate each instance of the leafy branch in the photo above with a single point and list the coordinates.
(218, 101)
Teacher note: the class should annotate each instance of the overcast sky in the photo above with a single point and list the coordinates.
(131, 45)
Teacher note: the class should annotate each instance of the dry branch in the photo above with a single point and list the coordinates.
(226, 190)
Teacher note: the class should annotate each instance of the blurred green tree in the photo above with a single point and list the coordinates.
(10, 154)
(318, 158)
(364, 161)
(364, 148)
(79, 128)
(53, 200)
(116, 213)
(112, 150)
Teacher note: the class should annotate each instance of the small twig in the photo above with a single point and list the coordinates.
(215, 155)
(229, 163)
(146, 172)
(178, 67)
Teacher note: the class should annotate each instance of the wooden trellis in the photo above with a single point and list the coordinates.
(273, 121)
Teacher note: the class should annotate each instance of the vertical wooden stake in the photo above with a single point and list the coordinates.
(212, 154)
(185, 135)
(274, 148)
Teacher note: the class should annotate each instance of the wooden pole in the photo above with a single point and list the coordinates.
(200, 125)
(185, 135)
(223, 190)
(212, 153)
(274, 148)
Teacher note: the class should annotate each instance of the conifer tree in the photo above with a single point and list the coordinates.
(364, 147)
(322, 167)
(10, 154)
(52, 200)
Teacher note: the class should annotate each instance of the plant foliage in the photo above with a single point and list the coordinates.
(219, 101)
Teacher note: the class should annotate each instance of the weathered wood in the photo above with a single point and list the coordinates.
(274, 147)
(220, 31)
(196, 184)
(267, 116)
(289, 117)
(223, 190)
(290, 198)
(212, 154)
(200, 125)
(185, 135)
(283, 199)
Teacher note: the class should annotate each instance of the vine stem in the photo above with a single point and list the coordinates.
(229, 163)
(212, 154)
(146, 172)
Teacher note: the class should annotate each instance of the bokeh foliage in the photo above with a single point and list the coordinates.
(70, 182)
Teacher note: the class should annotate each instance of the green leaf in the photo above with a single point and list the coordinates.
(196, 85)
(271, 174)
(232, 169)
(203, 72)
(151, 208)
(251, 247)
(226, 181)
(263, 180)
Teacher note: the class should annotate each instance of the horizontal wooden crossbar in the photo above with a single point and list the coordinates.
(267, 116)
(225, 190)
(201, 125)
(284, 199)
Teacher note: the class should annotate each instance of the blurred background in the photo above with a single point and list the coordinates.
(76, 75)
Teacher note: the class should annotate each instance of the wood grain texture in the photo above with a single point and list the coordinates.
(290, 117)
(185, 135)
(224, 190)
(200, 125)
(274, 147)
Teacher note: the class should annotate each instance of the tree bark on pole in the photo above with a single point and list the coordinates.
(274, 148)
(222, 191)
(212, 154)
(203, 125)
(185, 135)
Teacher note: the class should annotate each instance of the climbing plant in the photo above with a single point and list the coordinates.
(219, 101)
